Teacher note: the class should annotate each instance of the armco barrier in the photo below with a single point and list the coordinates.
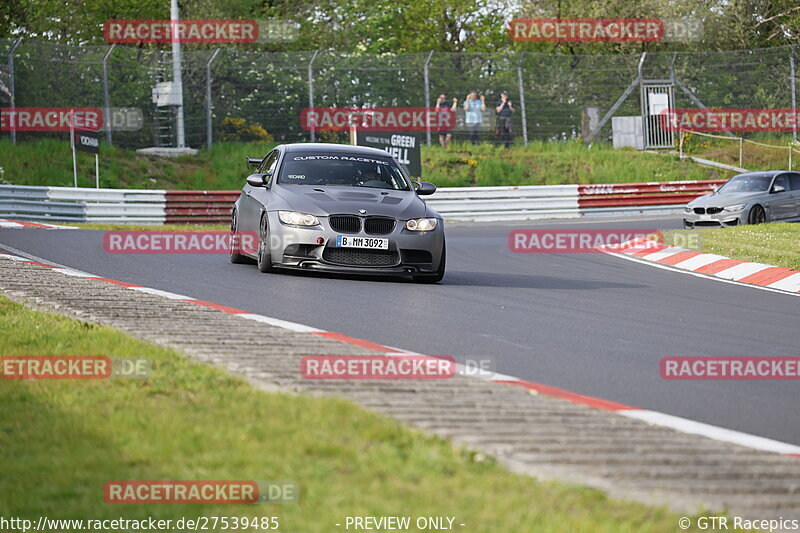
(70, 204)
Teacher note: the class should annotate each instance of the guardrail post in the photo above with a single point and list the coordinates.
(522, 99)
(427, 98)
(209, 125)
(12, 134)
(741, 152)
(106, 96)
(311, 89)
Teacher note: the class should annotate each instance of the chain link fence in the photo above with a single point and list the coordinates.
(233, 94)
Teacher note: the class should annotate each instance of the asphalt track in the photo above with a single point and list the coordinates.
(590, 323)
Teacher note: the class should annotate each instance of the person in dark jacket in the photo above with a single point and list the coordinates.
(504, 110)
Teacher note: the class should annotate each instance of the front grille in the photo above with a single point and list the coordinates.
(378, 225)
(345, 223)
(713, 210)
(700, 210)
(358, 257)
(707, 223)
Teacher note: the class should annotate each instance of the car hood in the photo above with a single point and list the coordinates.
(327, 200)
(725, 199)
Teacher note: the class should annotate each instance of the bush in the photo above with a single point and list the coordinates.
(238, 129)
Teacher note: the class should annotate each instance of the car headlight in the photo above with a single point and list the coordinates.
(295, 218)
(735, 208)
(688, 209)
(421, 224)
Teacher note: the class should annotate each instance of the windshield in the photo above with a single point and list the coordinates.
(348, 170)
(747, 183)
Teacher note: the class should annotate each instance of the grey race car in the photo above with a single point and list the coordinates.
(750, 198)
(338, 208)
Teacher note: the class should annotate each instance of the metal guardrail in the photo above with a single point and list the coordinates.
(70, 204)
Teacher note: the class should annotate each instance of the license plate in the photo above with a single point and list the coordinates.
(343, 241)
(705, 217)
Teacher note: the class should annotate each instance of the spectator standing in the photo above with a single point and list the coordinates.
(445, 136)
(474, 115)
(504, 111)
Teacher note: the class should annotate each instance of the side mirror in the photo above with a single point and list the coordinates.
(257, 180)
(777, 188)
(424, 188)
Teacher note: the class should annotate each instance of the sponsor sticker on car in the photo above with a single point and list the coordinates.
(343, 241)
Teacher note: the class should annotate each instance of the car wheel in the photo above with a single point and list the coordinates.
(235, 243)
(757, 215)
(264, 256)
(437, 277)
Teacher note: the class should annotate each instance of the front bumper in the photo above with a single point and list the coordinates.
(722, 219)
(409, 252)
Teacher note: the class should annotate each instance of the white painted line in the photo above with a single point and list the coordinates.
(698, 261)
(165, 294)
(663, 254)
(293, 326)
(5, 223)
(792, 283)
(76, 273)
(496, 376)
(13, 257)
(741, 271)
(713, 432)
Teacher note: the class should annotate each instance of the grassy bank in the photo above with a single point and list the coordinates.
(49, 162)
(552, 163)
(764, 151)
(190, 421)
(772, 244)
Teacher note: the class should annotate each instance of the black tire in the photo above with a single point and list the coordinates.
(757, 215)
(264, 257)
(236, 257)
(437, 277)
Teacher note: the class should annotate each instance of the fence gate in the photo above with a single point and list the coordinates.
(656, 97)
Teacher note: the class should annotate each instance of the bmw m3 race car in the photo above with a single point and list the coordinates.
(338, 208)
(750, 198)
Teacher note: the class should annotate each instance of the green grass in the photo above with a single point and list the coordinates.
(552, 163)
(772, 244)
(49, 162)
(63, 439)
